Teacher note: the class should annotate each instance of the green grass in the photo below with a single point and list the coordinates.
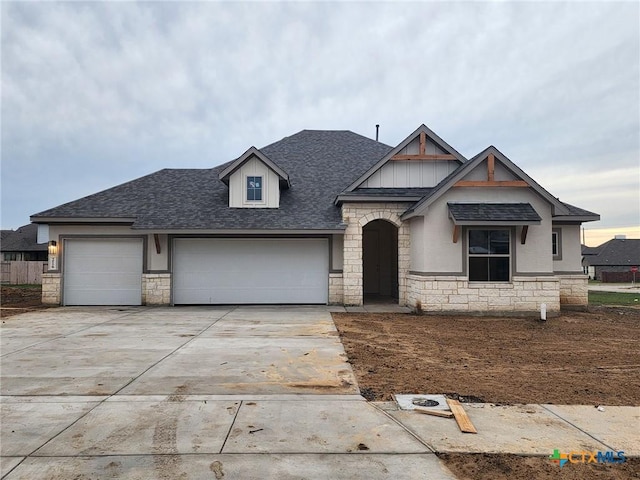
(614, 298)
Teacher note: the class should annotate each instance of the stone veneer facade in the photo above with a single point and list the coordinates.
(445, 293)
(336, 289)
(51, 288)
(457, 294)
(574, 290)
(356, 216)
(156, 289)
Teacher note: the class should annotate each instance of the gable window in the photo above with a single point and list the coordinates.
(254, 189)
(489, 255)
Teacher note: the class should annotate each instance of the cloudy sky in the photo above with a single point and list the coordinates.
(95, 94)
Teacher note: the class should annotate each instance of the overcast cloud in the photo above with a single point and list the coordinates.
(96, 94)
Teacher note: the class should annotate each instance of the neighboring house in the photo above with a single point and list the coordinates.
(613, 259)
(325, 217)
(22, 245)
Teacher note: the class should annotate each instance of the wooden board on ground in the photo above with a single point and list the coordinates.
(435, 413)
(463, 420)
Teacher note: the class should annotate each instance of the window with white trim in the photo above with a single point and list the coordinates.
(489, 255)
(254, 189)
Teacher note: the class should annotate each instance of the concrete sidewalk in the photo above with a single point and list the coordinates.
(255, 392)
(616, 287)
(527, 429)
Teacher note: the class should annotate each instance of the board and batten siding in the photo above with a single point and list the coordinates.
(412, 173)
(238, 186)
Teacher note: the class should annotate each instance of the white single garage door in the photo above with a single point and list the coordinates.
(102, 271)
(250, 271)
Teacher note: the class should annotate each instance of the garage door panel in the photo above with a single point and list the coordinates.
(242, 271)
(103, 272)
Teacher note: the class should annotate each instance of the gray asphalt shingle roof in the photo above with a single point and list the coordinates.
(493, 212)
(320, 165)
(616, 252)
(24, 239)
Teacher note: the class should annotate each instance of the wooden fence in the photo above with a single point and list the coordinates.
(22, 272)
(618, 277)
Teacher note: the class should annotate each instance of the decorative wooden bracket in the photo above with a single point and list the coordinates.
(491, 165)
(423, 155)
(523, 234)
(491, 179)
(157, 240)
(456, 233)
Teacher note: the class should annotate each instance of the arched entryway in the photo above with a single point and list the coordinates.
(380, 261)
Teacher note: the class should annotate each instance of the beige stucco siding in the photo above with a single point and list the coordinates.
(441, 255)
(238, 186)
(570, 249)
(337, 245)
(158, 262)
(416, 227)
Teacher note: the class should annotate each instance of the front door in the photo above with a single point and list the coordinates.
(371, 261)
(380, 260)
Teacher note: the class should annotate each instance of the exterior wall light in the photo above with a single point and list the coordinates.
(53, 255)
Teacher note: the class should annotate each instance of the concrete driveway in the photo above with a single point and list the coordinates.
(182, 393)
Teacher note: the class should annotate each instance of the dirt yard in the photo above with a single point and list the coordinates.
(579, 358)
(19, 299)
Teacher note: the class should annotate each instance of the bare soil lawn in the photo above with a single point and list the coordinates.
(16, 299)
(590, 358)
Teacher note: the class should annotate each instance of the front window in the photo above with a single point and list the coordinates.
(489, 255)
(254, 189)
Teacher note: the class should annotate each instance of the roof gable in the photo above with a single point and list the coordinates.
(421, 135)
(248, 155)
(490, 155)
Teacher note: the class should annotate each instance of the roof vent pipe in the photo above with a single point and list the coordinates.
(377, 130)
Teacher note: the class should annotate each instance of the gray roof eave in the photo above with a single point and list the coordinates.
(244, 231)
(42, 219)
(340, 199)
(495, 222)
(576, 218)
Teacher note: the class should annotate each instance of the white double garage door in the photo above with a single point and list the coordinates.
(205, 271)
